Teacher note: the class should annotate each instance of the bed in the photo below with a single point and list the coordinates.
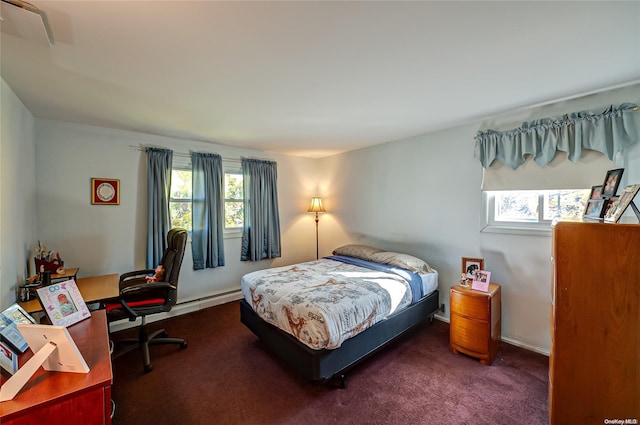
(322, 317)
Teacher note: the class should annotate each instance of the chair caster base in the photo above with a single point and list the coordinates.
(183, 345)
(148, 368)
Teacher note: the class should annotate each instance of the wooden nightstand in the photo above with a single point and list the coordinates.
(475, 322)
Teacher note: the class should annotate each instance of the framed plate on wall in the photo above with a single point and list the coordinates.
(105, 191)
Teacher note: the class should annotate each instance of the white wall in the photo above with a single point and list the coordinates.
(112, 239)
(422, 196)
(419, 195)
(17, 193)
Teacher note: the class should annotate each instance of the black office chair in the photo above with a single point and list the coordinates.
(140, 298)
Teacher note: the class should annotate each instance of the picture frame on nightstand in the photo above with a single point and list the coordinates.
(481, 281)
(470, 266)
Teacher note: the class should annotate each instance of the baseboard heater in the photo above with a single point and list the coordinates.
(181, 308)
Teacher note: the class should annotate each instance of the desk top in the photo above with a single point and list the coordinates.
(67, 274)
(92, 338)
(93, 289)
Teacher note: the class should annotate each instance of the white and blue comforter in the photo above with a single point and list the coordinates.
(322, 303)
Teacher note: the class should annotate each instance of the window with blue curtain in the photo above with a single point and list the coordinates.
(261, 232)
(158, 190)
(207, 239)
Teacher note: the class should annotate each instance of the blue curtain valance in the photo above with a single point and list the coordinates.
(608, 132)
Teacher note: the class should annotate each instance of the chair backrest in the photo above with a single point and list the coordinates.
(173, 254)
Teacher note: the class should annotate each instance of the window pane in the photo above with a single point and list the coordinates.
(180, 201)
(516, 206)
(233, 202)
(181, 184)
(564, 203)
(233, 214)
(233, 186)
(180, 214)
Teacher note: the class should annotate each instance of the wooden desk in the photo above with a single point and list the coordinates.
(93, 289)
(68, 274)
(68, 398)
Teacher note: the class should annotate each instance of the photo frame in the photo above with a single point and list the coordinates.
(611, 182)
(8, 359)
(63, 303)
(624, 200)
(9, 319)
(596, 192)
(481, 281)
(594, 210)
(17, 314)
(470, 266)
(610, 209)
(105, 191)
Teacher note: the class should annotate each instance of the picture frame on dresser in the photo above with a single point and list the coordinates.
(470, 266)
(596, 192)
(594, 210)
(614, 214)
(611, 182)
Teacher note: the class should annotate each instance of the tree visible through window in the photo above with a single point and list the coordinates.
(180, 206)
(233, 201)
(180, 199)
(538, 206)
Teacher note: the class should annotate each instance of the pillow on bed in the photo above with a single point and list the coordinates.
(363, 252)
(405, 261)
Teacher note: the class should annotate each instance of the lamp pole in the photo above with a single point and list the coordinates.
(317, 252)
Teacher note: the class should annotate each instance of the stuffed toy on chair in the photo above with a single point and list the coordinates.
(158, 277)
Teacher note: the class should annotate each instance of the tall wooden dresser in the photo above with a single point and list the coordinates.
(594, 367)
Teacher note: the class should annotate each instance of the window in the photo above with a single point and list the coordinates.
(233, 201)
(531, 211)
(180, 200)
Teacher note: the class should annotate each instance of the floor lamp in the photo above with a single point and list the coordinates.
(316, 207)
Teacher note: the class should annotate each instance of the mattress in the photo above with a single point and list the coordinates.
(325, 302)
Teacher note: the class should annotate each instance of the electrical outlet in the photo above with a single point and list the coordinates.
(442, 308)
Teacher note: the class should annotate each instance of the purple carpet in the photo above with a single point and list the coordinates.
(226, 376)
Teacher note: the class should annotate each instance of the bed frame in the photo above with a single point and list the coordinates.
(324, 365)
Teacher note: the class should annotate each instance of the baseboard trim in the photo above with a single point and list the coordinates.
(202, 303)
(181, 308)
(511, 341)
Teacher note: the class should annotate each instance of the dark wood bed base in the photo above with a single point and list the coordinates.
(324, 365)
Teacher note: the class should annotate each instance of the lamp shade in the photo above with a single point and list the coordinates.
(316, 205)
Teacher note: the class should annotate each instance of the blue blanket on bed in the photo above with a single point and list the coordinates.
(415, 281)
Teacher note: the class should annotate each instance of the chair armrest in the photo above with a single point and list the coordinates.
(145, 287)
(136, 274)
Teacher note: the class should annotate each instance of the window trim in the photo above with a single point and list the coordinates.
(489, 225)
(232, 167)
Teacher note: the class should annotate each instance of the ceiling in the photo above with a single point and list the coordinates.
(314, 78)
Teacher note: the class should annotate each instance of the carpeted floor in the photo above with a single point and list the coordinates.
(226, 376)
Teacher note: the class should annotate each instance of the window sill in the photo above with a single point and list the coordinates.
(233, 234)
(519, 229)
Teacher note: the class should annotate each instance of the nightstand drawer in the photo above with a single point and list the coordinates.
(470, 334)
(470, 305)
